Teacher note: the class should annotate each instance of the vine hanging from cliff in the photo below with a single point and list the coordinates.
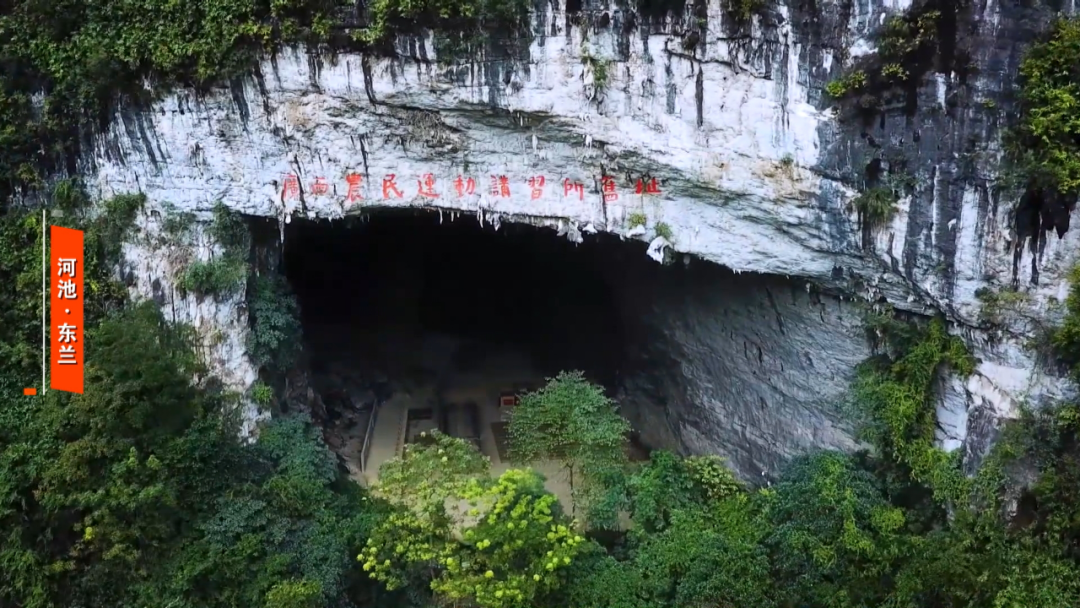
(895, 393)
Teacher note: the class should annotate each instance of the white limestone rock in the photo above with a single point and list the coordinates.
(754, 175)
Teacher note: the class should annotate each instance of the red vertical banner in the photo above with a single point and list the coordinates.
(66, 348)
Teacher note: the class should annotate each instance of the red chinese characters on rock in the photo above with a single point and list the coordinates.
(607, 188)
(500, 186)
(647, 187)
(389, 186)
(464, 186)
(427, 186)
(290, 188)
(536, 187)
(571, 187)
(353, 193)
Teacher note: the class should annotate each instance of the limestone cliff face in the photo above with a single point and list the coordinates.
(755, 172)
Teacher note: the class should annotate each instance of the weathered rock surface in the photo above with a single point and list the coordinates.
(755, 174)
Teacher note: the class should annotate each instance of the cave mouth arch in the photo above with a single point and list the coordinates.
(438, 314)
(442, 312)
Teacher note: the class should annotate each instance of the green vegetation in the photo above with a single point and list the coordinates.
(636, 218)
(847, 84)
(85, 57)
(1066, 339)
(274, 341)
(572, 422)
(995, 303)
(67, 64)
(220, 276)
(876, 205)
(742, 11)
(178, 224)
(906, 34)
(907, 47)
(262, 394)
(1046, 143)
(599, 67)
(894, 71)
(663, 230)
(139, 493)
(496, 542)
(448, 17)
(896, 394)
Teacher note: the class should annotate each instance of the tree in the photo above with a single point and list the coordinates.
(706, 558)
(832, 535)
(140, 493)
(499, 543)
(572, 422)
(274, 341)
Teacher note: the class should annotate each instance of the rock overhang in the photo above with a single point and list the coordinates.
(755, 175)
(736, 188)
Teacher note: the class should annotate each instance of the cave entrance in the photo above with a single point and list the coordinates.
(438, 323)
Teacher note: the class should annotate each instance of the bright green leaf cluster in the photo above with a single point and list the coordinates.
(571, 421)
(508, 548)
(897, 397)
(1050, 107)
(275, 339)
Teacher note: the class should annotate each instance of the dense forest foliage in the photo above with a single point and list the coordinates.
(140, 494)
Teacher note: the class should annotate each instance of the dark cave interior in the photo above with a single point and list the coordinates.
(408, 275)
(414, 320)
(429, 320)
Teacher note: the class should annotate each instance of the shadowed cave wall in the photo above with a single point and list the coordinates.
(702, 360)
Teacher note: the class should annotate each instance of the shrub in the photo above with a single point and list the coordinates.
(1049, 127)
(385, 17)
(599, 67)
(896, 396)
(274, 341)
(571, 421)
(846, 84)
(663, 230)
(262, 394)
(220, 277)
(876, 205)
